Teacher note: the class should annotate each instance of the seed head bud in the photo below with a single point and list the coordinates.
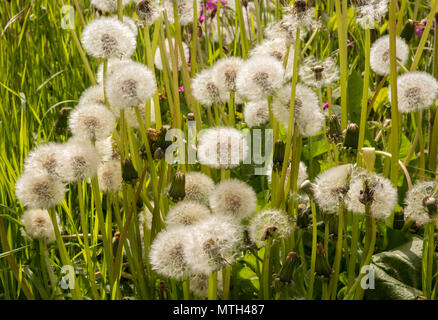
(142, 152)
(322, 266)
(159, 154)
(190, 116)
(279, 149)
(129, 174)
(351, 137)
(335, 132)
(288, 267)
(152, 135)
(307, 187)
(269, 231)
(177, 188)
(431, 205)
(303, 217)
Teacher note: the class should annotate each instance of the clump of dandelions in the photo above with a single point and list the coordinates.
(416, 91)
(168, 253)
(214, 244)
(109, 174)
(39, 190)
(37, 225)
(79, 160)
(222, 147)
(206, 89)
(372, 190)
(269, 223)
(331, 186)
(233, 198)
(198, 187)
(259, 77)
(199, 284)
(422, 202)
(256, 113)
(91, 122)
(186, 213)
(108, 38)
(370, 12)
(130, 85)
(308, 116)
(107, 5)
(45, 158)
(318, 74)
(379, 54)
(158, 60)
(225, 73)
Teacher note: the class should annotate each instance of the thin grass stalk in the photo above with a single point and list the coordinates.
(427, 291)
(333, 285)
(343, 56)
(351, 272)
(83, 56)
(309, 295)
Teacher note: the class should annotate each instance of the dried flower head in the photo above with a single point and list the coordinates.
(109, 174)
(206, 89)
(186, 213)
(269, 223)
(130, 85)
(108, 38)
(299, 15)
(233, 198)
(45, 158)
(113, 64)
(370, 12)
(275, 48)
(259, 77)
(37, 225)
(148, 11)
(107, 5)
(421, 202)
(225, 73)
(416, 91)
(379, 54)
(92, 95)
(319, 74)
(256, 113)
(308, 116)
(222, 147)
(198, 187)
(106, 149)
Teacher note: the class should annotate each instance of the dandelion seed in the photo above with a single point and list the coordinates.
(233, 198)
(109, 176)
(256, 113)
(108, 38)
(370, 12)
(199, 284)
(299, 15)
(113, 64)
(186, 213)
(91, 122)
(206, 90)
(167, 253)
(416, 91)
(268, 223)
(331, 187)
(92, 95)
(275, 48)
(225, 73)
(375, 190)
(222, 147)
(130, 85)
(214, 244)
(379, 54)
(421, 202)
(198, 187)
(44, 159)
(39, 190)
(318, 74)
(308, 116)
(37, 225)
(148, 11)
(259, 77)
(107, 5)
(105, 149)
(159, 63)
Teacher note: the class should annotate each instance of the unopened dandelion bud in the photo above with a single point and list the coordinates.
(322, 266)
(335, 132)
(303, 217)
(269, 231)
(190, 116)
(288, 267)
(408, 30)
(278, 157)
(430, 204)
(161, 142)
(307, 187)
(129, 174)
(351, 137)
(62, 121)
(177, 188)
(115, 242)
(159, 154)
(369, 158)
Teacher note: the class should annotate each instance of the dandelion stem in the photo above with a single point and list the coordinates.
(313, 256)
(338, 255)
(266, 274)
(212, 286)
(343, 56)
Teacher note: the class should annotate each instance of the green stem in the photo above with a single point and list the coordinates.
(338, 255)
(353, 249)
(343, 56)
(266, 274)
(430, 259)
(313, 257)
(212, 286)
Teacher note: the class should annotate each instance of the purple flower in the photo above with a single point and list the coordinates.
(212, 4)
(181, 89)
(325, 106)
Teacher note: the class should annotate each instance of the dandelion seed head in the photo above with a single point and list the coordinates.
(206, 89)
(186, 213)
(256, 113)
(107, 5)
(318, 74)
(272, 223)
(45, 159)
(198, 187)
(105, 149)
(379, 54)
(370, 12)
(37, 225)
(233, 198)
(113, 64)
(109, 175)
(275, 48)
(225, 73)
(199, 284)
(222, 147)
(92, 95)
(415, 201)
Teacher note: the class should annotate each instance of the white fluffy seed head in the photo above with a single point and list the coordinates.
(109, 174)
(416, 202)
(157, 59)
(148, 11)
(37, 225)
(233, 198)
(268, 223)
(416, 91)
(186, 213)
(113, 64)
(213, 244)
(256, 113)
(108, 38)
(131, 115)
(45, 158)
(222, 147)
(91, 122)
(130, 85)
(275, 48)
(199, 284)
(379, 54)
(370, 12)
(39, 190)
(184, 11)
(298, 15)
(383, 194)
(308, 116)
(168, 253)
(198, 187)
(106, 150)
(79, 160)
(259, 77)
(107, 5)
(92, 95)
(331, 186)
(225, 73)
(318, 74)
(206, 90)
